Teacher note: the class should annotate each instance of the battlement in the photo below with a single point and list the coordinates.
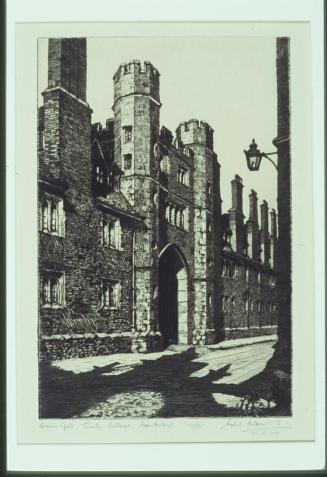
(194, 124)
(136, 67)
(97, 130)
(96, 127)
(166, 135)
(136, 78)
(195, 132)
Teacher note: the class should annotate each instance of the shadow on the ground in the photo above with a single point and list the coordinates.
(64, 394)
(264, 384)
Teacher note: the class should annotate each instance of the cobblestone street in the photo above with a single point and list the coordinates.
(189, 382)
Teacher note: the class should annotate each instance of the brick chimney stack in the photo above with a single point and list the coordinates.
(67, 116)
(236, 217)
(273, 239)
(252, 227)
(253, 215)
(67, 65)
(273, 223)
(264, 233)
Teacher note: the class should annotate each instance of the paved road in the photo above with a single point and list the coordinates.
(192, 383)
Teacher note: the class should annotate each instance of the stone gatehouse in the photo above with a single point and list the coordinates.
(134, 251)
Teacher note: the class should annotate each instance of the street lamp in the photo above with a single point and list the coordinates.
(254, 155)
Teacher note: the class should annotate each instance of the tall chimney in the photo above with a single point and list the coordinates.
(264, 233)
(273, 239)
(236, 216)
(252, 227)
(67, 116)
(67, 65)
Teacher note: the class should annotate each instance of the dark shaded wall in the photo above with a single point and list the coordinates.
(282, 142)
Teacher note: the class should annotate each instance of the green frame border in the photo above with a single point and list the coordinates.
(3, 389)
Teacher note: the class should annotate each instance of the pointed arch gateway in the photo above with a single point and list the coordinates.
(173, 296)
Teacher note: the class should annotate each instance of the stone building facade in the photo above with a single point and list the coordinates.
(134, 252)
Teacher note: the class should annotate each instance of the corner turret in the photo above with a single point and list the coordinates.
(195, 132)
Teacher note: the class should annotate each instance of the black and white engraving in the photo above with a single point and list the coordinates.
(158, 296)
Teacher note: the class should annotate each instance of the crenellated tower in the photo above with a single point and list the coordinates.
(206, 196)
(136, 113)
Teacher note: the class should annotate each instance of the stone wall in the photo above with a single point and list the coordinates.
(79, 255)
(65, 347)
(248, 296)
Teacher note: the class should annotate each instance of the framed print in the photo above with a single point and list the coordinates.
(167, 290)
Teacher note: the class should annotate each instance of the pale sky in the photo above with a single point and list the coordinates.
(229, 82)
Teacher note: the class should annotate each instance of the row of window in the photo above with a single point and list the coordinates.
(183, 175)
(260, 306)
(127, 158)
(230, 270)
(53, 291)
(52, 221)
(228, 304)
(110, 179)
(53, 295)
(177, 215)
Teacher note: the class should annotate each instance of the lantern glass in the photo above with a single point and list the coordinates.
(253, 157)
(254, 163)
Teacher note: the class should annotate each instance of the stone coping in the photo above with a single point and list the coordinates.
(99, 335)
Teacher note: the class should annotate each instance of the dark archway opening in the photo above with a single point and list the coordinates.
(172, 297)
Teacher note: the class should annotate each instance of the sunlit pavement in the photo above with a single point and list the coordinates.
(196, 382)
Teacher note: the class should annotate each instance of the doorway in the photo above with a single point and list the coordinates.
(173, 300)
